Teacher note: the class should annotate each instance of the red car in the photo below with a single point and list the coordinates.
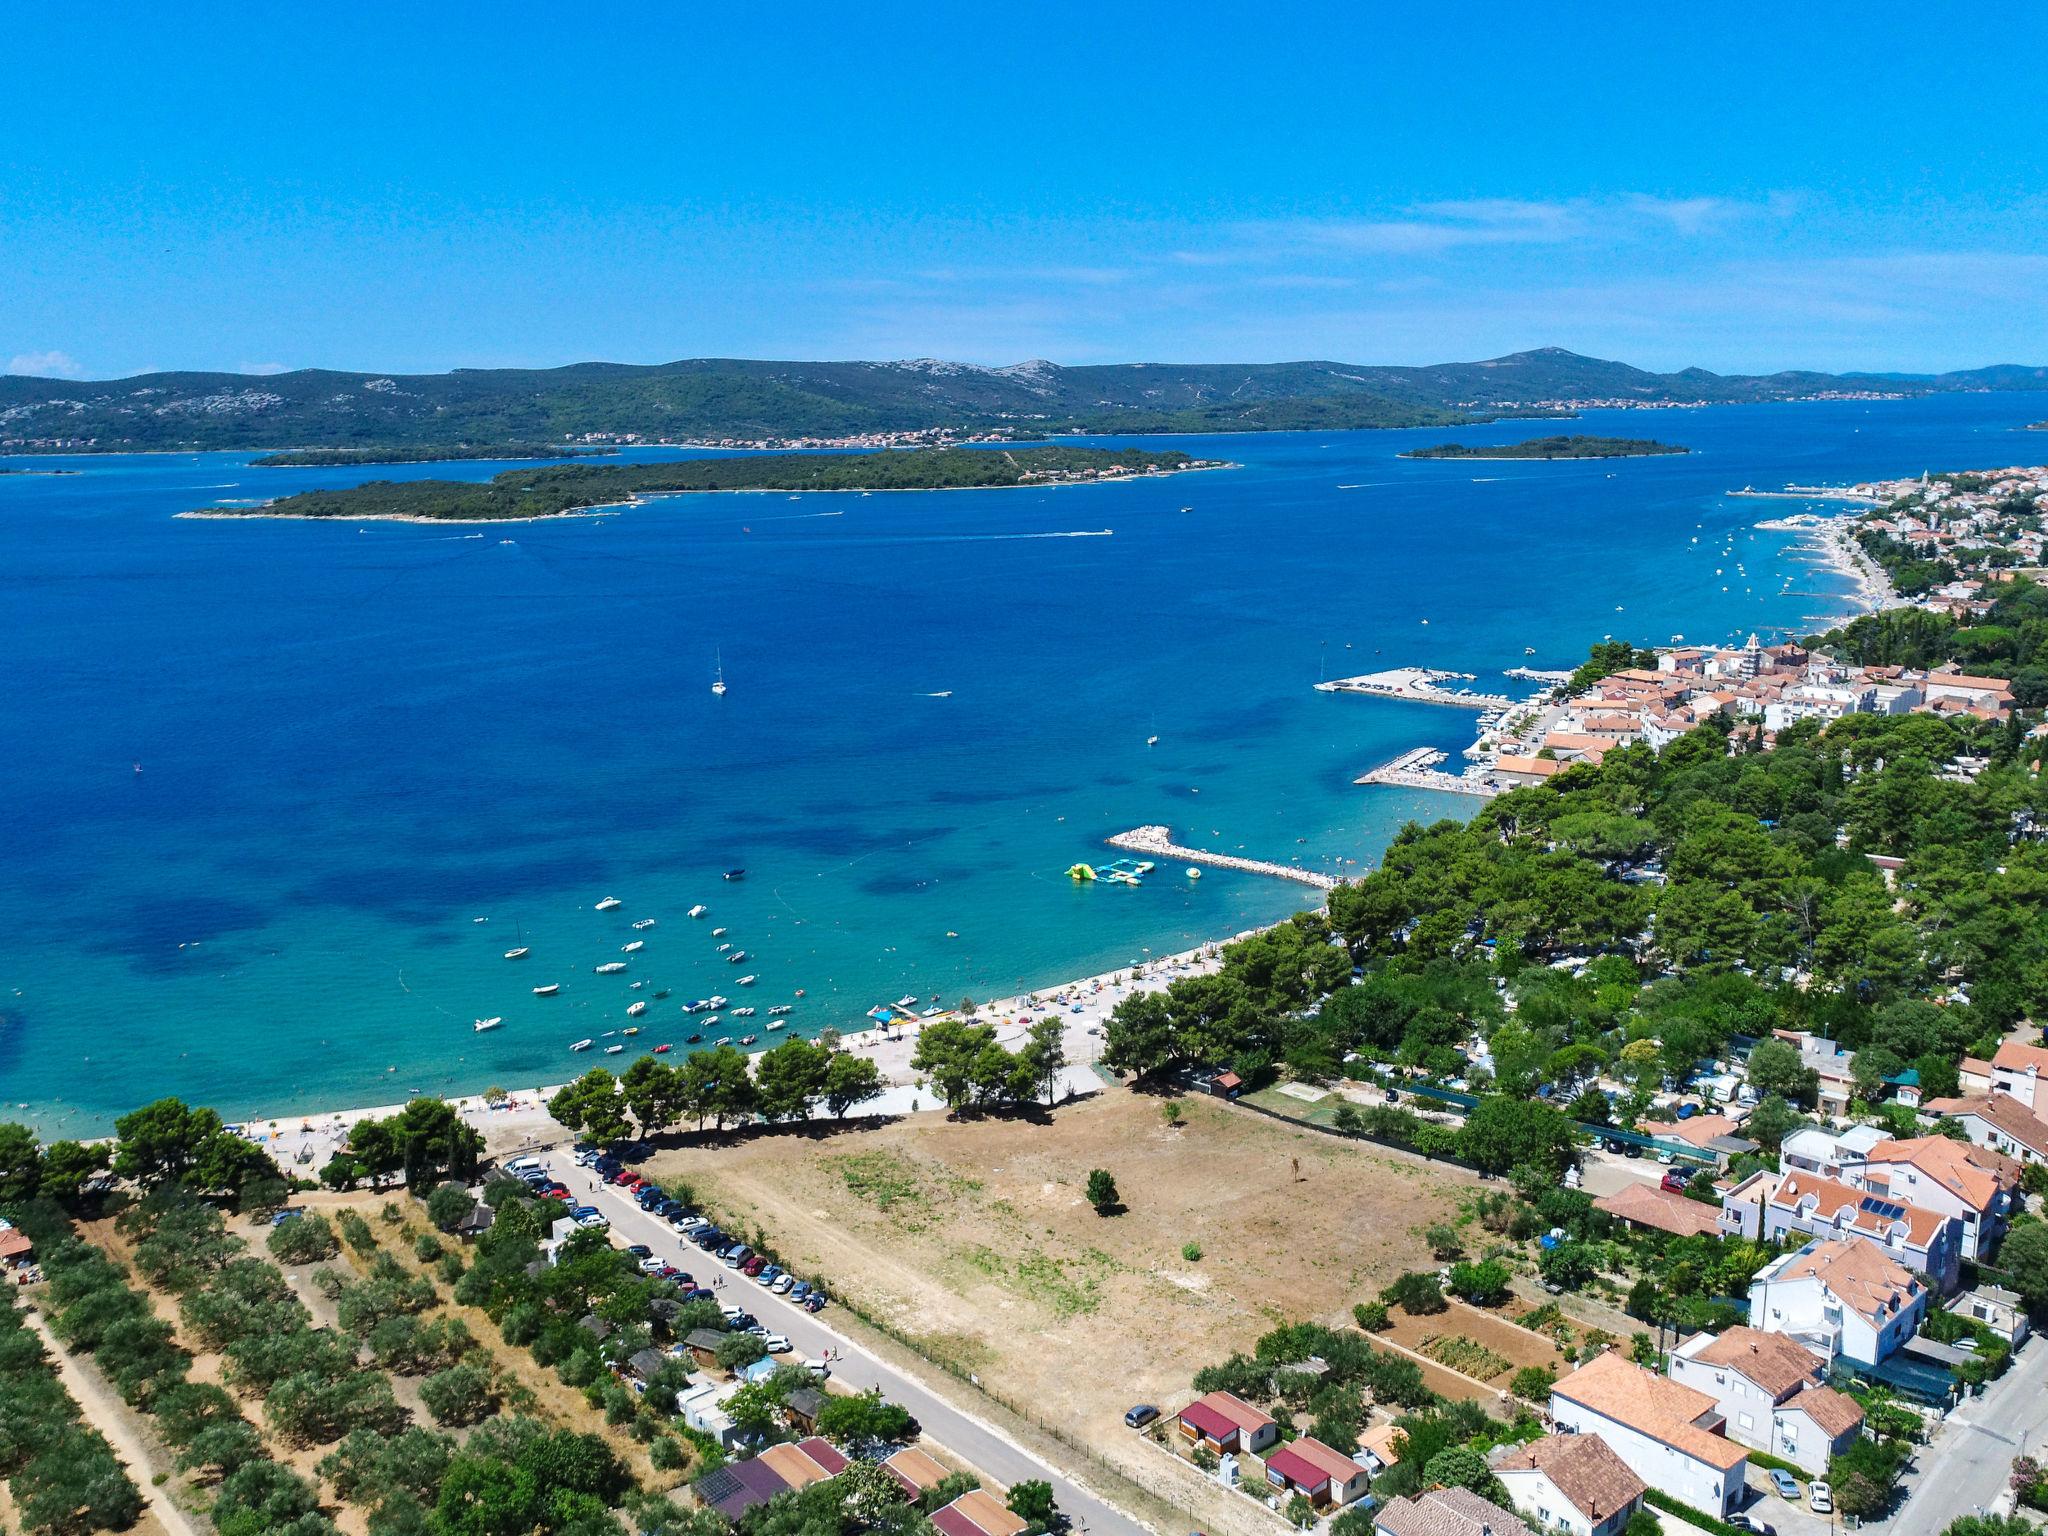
(753, 1266)
(1675, 1181)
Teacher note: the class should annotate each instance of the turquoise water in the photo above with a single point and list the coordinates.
(353, 742)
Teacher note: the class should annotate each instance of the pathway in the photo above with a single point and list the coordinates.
(1158, 841)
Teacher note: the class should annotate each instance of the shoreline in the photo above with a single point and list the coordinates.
(611, 507)
(301, 1142)
(1835, 546)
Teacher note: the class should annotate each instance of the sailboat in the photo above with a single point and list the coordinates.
(718, 687)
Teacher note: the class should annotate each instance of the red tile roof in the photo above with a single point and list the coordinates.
(1645, 1205)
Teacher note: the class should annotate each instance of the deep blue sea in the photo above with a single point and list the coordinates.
(354, 741)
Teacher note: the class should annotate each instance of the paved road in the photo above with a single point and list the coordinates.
(1966, 1468)
(972, 1439)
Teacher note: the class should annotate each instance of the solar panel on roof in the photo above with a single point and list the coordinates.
(1885, 1208)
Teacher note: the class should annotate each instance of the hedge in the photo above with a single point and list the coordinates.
(1688, 1514)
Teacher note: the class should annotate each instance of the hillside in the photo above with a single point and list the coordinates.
(734, 399)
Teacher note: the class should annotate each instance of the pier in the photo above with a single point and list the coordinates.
(1808, 493)
(1417, 769)
(1159, 843)
(1417, 685)
(1538, 674)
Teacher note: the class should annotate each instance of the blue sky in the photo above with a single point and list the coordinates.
(410, 188)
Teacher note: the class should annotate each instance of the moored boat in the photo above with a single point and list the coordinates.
(699, 910)
(748, 1039)
(644, 923)
(748, 981)
(633, 947)
(520, 953)
(549, 990)
(611, 968)
(636, 1010)
(778, 1023)
(736, 957)
(662, 1049)
(483, 1024)
(582, 1045)
(610, 904)
(613, 1050)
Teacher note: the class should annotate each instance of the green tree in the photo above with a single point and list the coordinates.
(1503, 1133)
(1031, 1501)
(850, 1080)
(737, 1351)
(448, 1205)
(460, 1395)
(789, 1078)
(1102, 1192)
(864, 1421)
(592, 1104)
(21, 1163)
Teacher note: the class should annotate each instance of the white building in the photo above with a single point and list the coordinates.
(1770, 1391)
(1670, 1436)
(1975, 1184)
(1839, 1296)
(1572, 1483)
(1813, 1149)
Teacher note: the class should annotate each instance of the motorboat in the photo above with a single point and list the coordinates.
(661, 994)
(611, 968)
(743, 1013)
(630, 1029)
(699, 910)
(748, 981)
(582, 1045)
(710, 1019)
(637, 985)
(725, 946)
(778, 1023)
(906, 1001)
(735, 874)
(613, 1050)
(691, 1039)
(483, 1024)
(748, 1039)
(778, 1010)
(717, 1000)
(736, 957)
(610, 904)
(662, 1049)
(520, 953)
(632, 947)
(636, 1010)
(719, 933)
(644, 923)
(549, 990)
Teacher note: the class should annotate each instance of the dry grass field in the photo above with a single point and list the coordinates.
(974, 1242)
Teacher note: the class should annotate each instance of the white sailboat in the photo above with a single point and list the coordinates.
(718, 687)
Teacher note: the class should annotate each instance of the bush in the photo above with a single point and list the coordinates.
(304, 1239)
(1371, 1316)
(448, 1205)
(1192, 1252)
(1417, 1293)
(426, 1248)
(665, 1454)
(457, 1396)
(1532, 1383)
(356, 1232)
(1483, 1284)
(1102, 1192)
(1444, 1242)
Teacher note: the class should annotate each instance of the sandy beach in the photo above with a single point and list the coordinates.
(302, 1144)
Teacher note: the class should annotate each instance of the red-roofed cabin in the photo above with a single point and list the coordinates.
(1224, 1422)
(1316, 1471)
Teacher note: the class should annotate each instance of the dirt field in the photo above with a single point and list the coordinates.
(974, 1241)
(1484, 1345)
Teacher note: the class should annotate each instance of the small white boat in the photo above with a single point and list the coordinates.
(778, 1010)
(719, 686)
(644, 923)
(748, 981)
(610, 904)
(1151, 741)
(611, 968)
(717, 1001)
(719, 933)
(483, 1024)
(636, 1010)
(737, 957)
(906, 1001)
(520, 953)
(743, 1013)
(613, 1050)
(582, 1045)
(633, 948)
(710, 1020)
(549, 990)
(778, 1023)
(699, 910)
(725, 946)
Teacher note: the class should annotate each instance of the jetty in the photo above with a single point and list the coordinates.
(1808, 493)
(1159, 843)
(1418, 685)
(1538, 674)
(1418, 769)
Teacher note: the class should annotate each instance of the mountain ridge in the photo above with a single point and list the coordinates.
(711, 399)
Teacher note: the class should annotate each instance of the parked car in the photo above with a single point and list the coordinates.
(594, 1219)
(698, 1293)
(1820, 1498)
(578, 1212)
(639, 1250)
(815, 1302)
(817, 1368)
(753, 1266)
(783, 1284)
(800, 1290)
(768, 1275)
(652, 1266)
(1678, 1183)
(1743, 1522)
(732, 1313)
(1783, 1482)
(1140, 1416)
(776, 1344)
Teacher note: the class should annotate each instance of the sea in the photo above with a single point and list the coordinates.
(279, 796)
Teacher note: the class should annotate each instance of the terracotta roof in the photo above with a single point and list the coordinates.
(1858, 1272)
(1974, 1174)
(1535, 767)
(1379, 1439)
(1446, 1512)
(1977, 1066)
(1965, 680)
(978, 1513)
(2004, 1113)
(792, 1466)
(1309, 1463)
(2015, 1057)
(1694, 1130)
(1844, 1209)
(915, 1470)
(1625, 1392)
(1645, 1205)
(14, 1243)
(1773, 1361)
(1584, 1468)
(1834, 1413)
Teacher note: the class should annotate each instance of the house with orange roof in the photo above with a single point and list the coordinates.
(2000, 1122)
(1798, 1205)
(1319, 1473)
(1979, 1186)
(2018, 1070)
(1840, 1297)
(1670, 1436)
(1645, 1206)
(1572, 1483)
(977, 1513)
(1772, 1394)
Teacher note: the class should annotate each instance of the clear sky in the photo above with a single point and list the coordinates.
(416, 187)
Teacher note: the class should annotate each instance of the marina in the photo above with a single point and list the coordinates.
(1417, 769)
(1417, 685)
(1158, 841)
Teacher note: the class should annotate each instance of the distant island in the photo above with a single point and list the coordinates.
(354, 458)
(910, 402)
(1551, 448)
(519, 495)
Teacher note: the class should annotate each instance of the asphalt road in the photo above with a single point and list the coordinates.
(1966, 1469)
(968, 1437)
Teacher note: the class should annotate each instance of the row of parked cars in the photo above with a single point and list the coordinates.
(728, 1250)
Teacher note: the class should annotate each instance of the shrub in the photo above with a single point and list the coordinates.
(356, 1232)
(1532, 1383)
(1416, 1292)
(665, 1454)
(1371, 1316)
(1192, 1252)
(1444, 1242)
(1102, 1192)
(1482, 1284)
(457, 1396)
(304, 1239)
(448, 1205)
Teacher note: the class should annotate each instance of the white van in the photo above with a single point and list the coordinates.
(523, 1165)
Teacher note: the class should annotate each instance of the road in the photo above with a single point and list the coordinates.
(1965, 1469)
(972, 1439)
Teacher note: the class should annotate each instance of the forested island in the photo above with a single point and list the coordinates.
(553, 490)
(1574, 447)
(352, 458)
